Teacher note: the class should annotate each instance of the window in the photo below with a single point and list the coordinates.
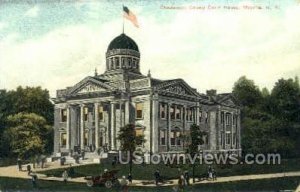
(163, 111)
(178, 142)
(206, 117)
(172, 112)
(178, 112)
(123, 62)
(205, 139)
(200, 116)
(222, 117)
(63, 139)
(133, 63)
(228, 138)
(234, 139)
(117, 63)
(173, 137)
(111, 63)
(163, 137)
(189, 114)
(85, 113)
(101, 116)
(139, 131)
(101, 140)
(63, 115)
(86, 136)
(234, 120)
(139, 110)
(228, 120)
(129, 62)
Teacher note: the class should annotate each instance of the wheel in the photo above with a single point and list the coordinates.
(108, 184)
(90, 183)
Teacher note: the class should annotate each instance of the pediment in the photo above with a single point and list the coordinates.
(89, 85)
(228, 101)
(178, 87)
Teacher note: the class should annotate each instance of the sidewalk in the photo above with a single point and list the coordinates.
(12, 171)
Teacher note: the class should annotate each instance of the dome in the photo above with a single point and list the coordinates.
(123, 42)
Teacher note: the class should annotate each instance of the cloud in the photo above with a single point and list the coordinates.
(33, 12)
(209, 49)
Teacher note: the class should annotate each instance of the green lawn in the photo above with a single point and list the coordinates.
(254, 185)
(147, 171)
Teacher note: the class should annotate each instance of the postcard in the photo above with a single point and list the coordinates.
(138, 95)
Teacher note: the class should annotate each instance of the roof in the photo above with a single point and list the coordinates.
(123, 42)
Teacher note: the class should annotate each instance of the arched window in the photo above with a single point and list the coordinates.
(133, 63)
(117, 63)
(129, 62)
(111, 63)
(123, 62)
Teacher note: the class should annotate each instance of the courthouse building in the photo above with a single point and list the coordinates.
(89, 114)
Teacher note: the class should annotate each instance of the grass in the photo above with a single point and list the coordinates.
(146, 171)
(290, 183)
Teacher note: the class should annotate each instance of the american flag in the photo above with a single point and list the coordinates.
(130, 16)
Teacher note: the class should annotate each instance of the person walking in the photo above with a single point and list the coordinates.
(214, 174)
(124, 184)
(28, 169)
(187, 178)
(71, 171)
(129, 178)
(209, 173)
(157, 177)
(33, 179)
(181, 183)
(19, 162)
(65, 176)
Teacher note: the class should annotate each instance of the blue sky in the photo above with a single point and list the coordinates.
(55, 45)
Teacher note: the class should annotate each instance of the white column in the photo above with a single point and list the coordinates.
(155, 138)
(184, 114)
(118, 127)
(82, 126)
(197, 114)
(127, 115)
(238, 135)
(113, 125)
(169, 127)
(68, 127)
(96, 109)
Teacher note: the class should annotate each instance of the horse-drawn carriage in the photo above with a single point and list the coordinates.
(108, 178)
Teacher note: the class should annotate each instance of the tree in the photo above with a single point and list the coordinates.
(27, 135)
(246, 92)
(25, 100)
(270, 121)
(129, 141)
(196, 136)
(31, 100)
(286, 99)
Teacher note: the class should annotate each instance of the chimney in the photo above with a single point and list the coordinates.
(211, 93)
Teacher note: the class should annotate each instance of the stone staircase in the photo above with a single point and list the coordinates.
(89, 157)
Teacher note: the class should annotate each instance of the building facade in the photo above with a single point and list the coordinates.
(90, 114)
